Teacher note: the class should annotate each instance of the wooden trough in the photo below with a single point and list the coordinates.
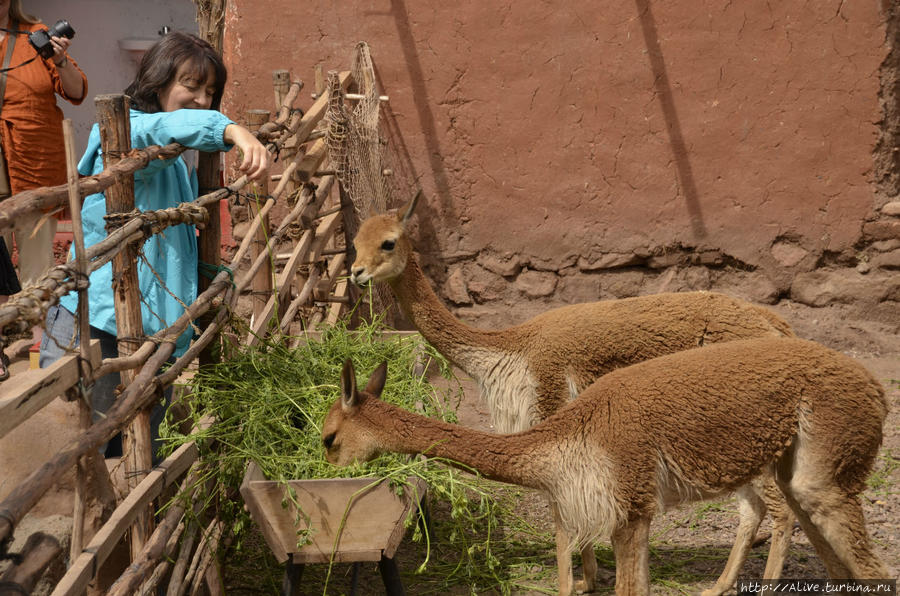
(366, 516)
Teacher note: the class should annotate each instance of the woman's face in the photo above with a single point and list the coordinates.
(185, 91)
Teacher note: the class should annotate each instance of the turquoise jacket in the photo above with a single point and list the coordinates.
(172, 255)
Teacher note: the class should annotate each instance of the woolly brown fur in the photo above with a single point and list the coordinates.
(706, 421)
(529, 371)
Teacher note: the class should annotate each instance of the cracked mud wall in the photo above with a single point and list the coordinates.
(575, 152)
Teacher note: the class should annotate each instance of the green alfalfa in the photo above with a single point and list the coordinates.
(269, 402)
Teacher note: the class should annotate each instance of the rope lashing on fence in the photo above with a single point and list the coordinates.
(250, 198)
(210, 271)
(156, 221)
(49, 198)
(29, 307)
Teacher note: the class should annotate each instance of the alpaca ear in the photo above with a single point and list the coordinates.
(377, 380)
(348, 386)
(406, 212)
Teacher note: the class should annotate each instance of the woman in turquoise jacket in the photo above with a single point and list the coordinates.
(175, 97)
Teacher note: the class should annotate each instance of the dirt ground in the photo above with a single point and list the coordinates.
(689, 545)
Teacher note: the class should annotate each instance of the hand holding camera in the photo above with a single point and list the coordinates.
(54, 41)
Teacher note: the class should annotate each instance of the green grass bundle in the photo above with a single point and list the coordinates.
(269, 402)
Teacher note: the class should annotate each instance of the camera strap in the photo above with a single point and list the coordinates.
(10, 45)
(5, 189)
(11, 35)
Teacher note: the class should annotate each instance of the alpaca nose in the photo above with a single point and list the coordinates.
(356, 273)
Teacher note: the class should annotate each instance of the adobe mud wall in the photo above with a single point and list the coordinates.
(572, 151)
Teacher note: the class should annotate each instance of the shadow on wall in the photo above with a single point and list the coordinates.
(673, 126)
(408, 180)
(427, 122)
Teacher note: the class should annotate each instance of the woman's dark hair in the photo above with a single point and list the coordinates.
(160, 65)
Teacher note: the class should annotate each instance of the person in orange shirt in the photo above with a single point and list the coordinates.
(31, 129)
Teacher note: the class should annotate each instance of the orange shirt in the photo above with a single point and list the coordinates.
(30, 121)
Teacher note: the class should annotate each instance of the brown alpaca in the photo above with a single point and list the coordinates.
(527, 372)
(683, 427)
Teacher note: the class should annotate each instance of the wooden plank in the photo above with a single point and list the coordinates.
(315, 244)
(311, 161)
(414, 495)
(334, 311)
(262, 281)
(115, 141)
(96, 552)
(282, 285)
(258, 512)
(27, 392)
(316, 111)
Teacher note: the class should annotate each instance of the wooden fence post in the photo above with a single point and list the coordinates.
(115, 141)
(281, 81)
(209, 242)
(262, 283)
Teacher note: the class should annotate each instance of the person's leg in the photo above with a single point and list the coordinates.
(35, 241)
(104, 396)
(60, 338)
(103, 393)
(34, 236)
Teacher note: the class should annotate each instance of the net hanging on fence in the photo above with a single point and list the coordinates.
(354, 143)
(359, 154)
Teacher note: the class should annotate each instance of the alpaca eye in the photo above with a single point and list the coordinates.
(388, 245)
(328, 441)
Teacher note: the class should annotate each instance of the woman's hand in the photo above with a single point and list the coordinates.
(72, 82)
(256, 161)
(60, 47)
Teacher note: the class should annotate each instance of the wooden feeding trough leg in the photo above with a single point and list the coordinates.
(293, 573)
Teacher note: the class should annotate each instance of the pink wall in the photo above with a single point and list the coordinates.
(575, 139)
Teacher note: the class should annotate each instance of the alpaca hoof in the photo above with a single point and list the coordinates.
(583, 586)
(712, 592)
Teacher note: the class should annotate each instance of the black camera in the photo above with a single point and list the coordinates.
(40, 39)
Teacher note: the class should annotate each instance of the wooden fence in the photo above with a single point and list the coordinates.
(306, 275)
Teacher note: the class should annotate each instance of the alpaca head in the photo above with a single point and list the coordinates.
(347, 433)
(382, 247)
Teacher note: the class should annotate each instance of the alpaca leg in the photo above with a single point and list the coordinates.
(782, 527)
(632, 550)
(752, 510)
(838, 519)
(833, 564)
(830, 513)
(563, 555)
(589, 570)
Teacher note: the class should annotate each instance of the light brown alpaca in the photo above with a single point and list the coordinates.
(682, 427)
(529, 371)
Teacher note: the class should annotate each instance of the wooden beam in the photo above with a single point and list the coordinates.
(115, 141)
(317, 110)
(334, 312)
(85, 567)
(311, 243)
(39, 551)
(50, 197)
(27, 392)
(311, 161)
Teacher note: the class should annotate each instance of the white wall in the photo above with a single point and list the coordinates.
(99, 24)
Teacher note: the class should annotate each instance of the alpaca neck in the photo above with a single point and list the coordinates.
(463, 345)
(516, 459)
